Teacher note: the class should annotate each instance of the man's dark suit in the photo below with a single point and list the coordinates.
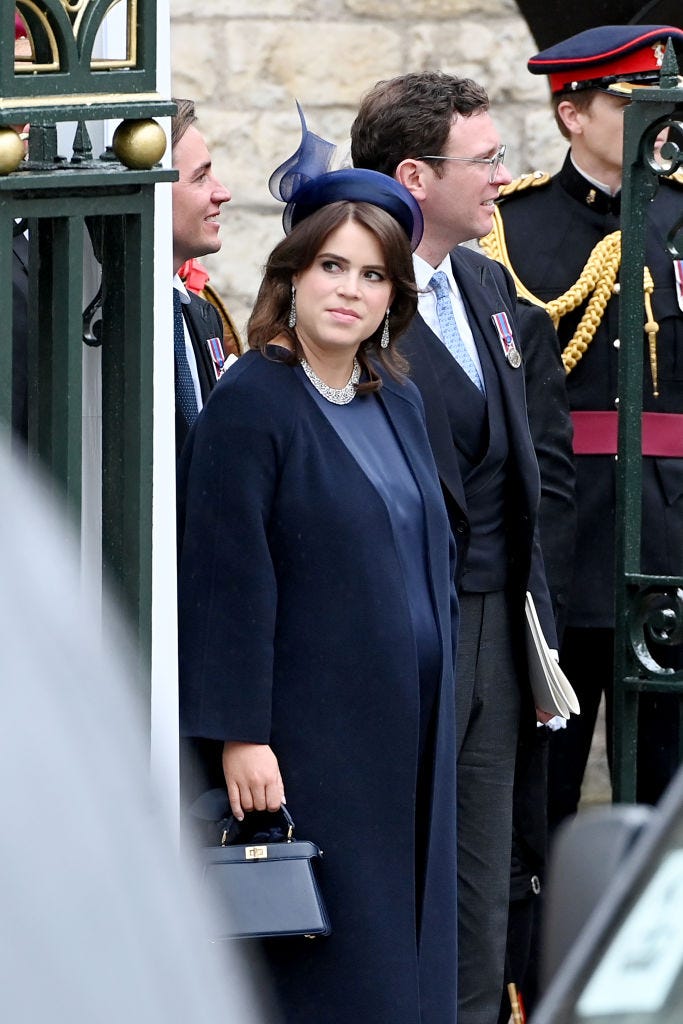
(486, 289)
(203, 321)
(20, 335)
(485, 776)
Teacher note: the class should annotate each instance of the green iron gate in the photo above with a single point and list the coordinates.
(647, 607)
(107, 199)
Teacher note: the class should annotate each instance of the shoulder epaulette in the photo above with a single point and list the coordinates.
(534, 179)
(495, 247)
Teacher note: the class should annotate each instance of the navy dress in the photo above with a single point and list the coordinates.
(365, 430)
(367, 433)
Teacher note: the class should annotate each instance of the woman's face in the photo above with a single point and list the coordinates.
(343, 296)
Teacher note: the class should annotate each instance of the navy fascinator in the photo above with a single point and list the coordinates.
(306, 184)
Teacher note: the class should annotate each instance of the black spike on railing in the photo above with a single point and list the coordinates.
(668, 76)
(82, 144)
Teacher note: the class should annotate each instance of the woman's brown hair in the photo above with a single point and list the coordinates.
(297, 251)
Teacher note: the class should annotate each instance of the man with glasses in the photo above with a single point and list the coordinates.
(547, 229)
(433, 133)
(492, 162)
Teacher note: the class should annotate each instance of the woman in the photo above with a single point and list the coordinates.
(317, 607)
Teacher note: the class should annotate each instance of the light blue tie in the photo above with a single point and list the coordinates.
(184, 385)
(450, 335)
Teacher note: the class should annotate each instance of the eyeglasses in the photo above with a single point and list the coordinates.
(494, 161)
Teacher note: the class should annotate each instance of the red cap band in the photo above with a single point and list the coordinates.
(649, 58)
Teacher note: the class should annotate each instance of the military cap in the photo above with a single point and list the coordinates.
(599, 58)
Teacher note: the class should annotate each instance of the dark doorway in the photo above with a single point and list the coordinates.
(550, 23)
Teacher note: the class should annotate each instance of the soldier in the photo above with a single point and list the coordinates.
(560, 238)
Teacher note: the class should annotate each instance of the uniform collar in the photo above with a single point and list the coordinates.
(587, 192)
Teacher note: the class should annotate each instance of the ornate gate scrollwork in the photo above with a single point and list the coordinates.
(655, 621)
(62, 36)
(649, 609)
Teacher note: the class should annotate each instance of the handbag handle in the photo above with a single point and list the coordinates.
(258, 827)
(213, 807)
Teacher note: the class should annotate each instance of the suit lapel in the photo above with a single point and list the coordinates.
(423, 350)
(483, 298)
(199, 330)
(20, 249)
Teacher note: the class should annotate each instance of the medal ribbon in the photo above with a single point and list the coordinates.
(507, 339)
(678, 273)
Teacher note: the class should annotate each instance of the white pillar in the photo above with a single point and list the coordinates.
(164, 739)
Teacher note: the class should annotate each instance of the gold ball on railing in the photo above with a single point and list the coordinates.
(139, 144)
(12, 150)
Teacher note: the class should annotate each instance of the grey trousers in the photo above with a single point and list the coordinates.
(487, 717)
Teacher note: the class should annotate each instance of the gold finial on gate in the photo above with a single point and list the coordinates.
(139, 144)
(11, 150)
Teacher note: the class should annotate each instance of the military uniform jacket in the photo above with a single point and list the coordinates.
(550, 231)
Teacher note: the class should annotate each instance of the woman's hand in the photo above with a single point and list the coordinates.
(252, 777)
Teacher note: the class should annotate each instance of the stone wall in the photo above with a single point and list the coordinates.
(245, 70)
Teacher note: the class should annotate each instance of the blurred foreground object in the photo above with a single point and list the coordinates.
(614, 930)
(99, 919)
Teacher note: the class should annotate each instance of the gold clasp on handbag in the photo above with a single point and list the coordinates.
(255, 852)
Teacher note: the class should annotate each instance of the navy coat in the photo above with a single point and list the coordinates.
(295, 631)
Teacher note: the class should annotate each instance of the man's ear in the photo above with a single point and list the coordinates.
(570, 116)
(411, 174)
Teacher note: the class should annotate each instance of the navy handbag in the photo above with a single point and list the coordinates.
(261, 881)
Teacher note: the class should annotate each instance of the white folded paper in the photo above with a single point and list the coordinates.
(551, 689)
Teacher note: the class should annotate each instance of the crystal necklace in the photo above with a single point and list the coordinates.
(338, 396)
